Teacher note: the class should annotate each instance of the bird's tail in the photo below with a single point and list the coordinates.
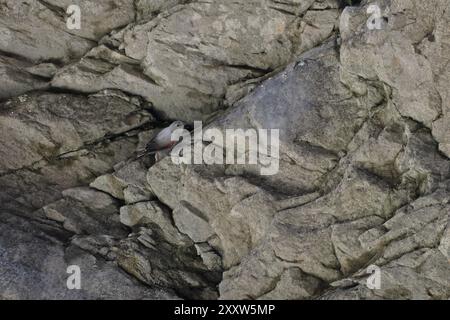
(139, 154)
(142, 153)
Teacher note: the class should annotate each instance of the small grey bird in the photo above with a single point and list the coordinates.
(162, 143)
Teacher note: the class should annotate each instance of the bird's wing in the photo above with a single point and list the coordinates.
(150, 148)
(160, 141)
(153, 146)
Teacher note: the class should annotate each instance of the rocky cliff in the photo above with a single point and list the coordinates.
(364, 158)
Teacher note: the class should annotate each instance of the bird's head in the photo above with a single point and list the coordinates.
(177, 125)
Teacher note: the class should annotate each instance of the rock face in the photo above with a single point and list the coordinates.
(189, 57)
(363, 181)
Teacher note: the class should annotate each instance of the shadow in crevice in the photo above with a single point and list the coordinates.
(346, 3)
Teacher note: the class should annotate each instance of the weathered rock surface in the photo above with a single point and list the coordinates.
(352, 145)
(185, 60)
(410, 58)
(35, 32)
(51, 142)
(363, 179)
(18, 77)
(34, 266)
